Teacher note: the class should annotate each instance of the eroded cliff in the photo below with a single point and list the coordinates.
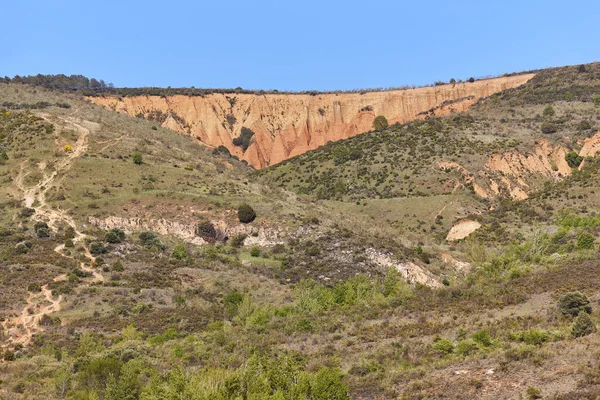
(286, 125)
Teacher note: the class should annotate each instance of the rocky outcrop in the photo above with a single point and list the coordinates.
(287, 125)
(518, 174)
(462, 229)
(256, 235)
(408, 270)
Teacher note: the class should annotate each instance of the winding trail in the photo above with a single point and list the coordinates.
(20, 329)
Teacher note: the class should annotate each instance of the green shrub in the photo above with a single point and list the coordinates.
(583, 326)
(255, 251)
(34, 287)
(179, 252)
(574, 303)
(534, 336)
(97, 248)
(238, 240)
(549, 111)
(117, 266)
(549, 127)
(151, 240)
(246, 213)
(41, 229)
(585, 240)
(573, 159)
(443, 346)
(482, 337)
(114, 235)
(136, 157)
(380, 122)
(466, 347)
(328, 385)
(596, 100)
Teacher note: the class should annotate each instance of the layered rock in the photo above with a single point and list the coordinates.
(287, 125)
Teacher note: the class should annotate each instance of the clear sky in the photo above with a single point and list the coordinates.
(294, 45)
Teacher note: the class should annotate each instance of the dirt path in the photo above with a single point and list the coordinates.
(20, 329)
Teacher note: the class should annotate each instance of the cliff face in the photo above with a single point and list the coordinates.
(286, 125)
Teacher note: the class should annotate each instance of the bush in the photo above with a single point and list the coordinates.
(115, 235)
(596, 100)
(41, 229)
(471, 80)
(179, 252)
(255, 251)
(443, 346)
(97, 248)
(380, 122)
(68, 148)
(573, 159)
(206, 230)
(238, 240)
(246, 213)
(583, 325)
(136, 157)
(482, 337)
(466, 347)
(585, 240)
(549, 127)
(327, 385)
(574, 303)
(243, 140)
(34, 287)
(549, 111)
(151, 240)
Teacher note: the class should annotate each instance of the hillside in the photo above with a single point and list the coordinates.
(286, 125)
(454, 255)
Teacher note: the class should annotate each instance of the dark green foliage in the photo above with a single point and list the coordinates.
(136, 157)
(574, 303)
(97, 248)
(596, 100)
(34, 287)
(115, 235)
(255, 251)
(98, 374)
(41, 229)
(9, 355)
(573, 159)
(549, 127)
(222, 150)
(61, 81)
(583, 325)
(206, 230)
(380, 122)
(27, 212)
(244, 140)
(151, 240)
(340, 154)
(246, 213)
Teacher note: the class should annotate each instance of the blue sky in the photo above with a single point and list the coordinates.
(294, 45)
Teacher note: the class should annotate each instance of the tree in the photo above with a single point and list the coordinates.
(380, 122)
(136, 157)
(471, 80)
(115, 235)
(243, 140)
(41, 229)
(574, 303)
(549, 111)
(246, 213)
(583, 325)
(341, 154)
(206, 230)
(573, 159)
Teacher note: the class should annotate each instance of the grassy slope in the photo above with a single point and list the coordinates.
(379, 331)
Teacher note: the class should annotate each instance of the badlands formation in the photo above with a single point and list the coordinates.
(287, 125)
